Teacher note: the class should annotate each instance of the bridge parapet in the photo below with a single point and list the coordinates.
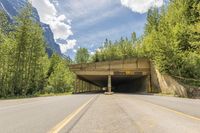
(129, 66)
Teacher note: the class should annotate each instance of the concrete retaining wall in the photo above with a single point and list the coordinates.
(166, 84)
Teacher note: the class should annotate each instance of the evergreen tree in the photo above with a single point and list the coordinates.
(7, 47)
(60, 78)
(133, 38)
(82, 55)
(30, 54)
(4, 24)
(24, 66)
(153, 19)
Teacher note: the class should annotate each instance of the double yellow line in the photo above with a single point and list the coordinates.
(64, 122)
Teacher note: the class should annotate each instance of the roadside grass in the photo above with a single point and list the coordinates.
(16, 97)
(54, 94)
(36, 95)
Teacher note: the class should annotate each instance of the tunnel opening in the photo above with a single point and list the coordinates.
(129, 84)
(120, 84)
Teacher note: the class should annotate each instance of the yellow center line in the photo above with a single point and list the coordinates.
(64, 122)
(171, 110)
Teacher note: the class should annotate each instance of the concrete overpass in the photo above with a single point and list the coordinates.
(128, 75)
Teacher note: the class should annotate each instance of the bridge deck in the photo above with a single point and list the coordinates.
(119, 67)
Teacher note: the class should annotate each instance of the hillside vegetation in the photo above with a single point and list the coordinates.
(171, 40)
(25, 68)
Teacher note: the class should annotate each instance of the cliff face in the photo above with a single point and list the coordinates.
(48, 34)
(13, 7)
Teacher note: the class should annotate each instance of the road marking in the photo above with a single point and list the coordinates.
(171, 110)
(64, 122)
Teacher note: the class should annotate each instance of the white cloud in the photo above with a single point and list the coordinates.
(141, 6)
(70, 45)
(48, 14)
(74, 50)
(92, 53)
(60, 29)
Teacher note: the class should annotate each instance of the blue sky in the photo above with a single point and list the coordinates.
(87, 23)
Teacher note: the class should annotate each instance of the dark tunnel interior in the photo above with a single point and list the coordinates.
(128, 84)
(120, 84)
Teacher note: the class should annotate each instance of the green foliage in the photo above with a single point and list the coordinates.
(174, 42)
(122, 49)
(6, 64)
(30, 56)
(25, 68)
(60, 78)
(171, 40)
(4, 25)
(82, 55)
(153, 18)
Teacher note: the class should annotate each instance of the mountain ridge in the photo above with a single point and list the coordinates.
(13, 7)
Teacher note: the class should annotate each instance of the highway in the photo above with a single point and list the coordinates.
(99, 113)
(37, 115)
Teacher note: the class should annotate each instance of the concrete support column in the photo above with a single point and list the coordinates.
(109, 83)
(74, 90)
(86, 86)
(90, 87)
(81, 86)
(78, 86)
(109, 86)
(149, 89)
(75, 86)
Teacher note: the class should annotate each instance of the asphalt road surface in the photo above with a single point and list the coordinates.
(37, 115)
(98, 113)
